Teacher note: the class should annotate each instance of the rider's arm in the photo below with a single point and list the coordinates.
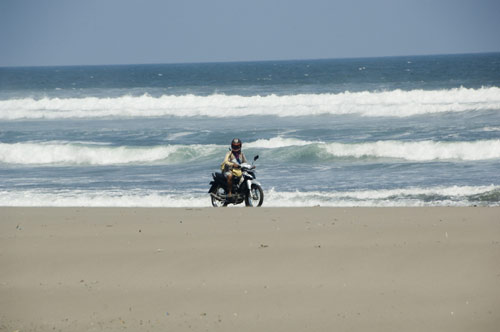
(243, 160)
(228, 162)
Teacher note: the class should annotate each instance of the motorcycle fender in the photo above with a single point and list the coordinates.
(253, 181)
(212, 187)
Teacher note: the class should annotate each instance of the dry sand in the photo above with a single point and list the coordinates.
(238, 269)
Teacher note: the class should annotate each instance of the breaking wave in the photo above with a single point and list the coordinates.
(419, 151)
(396, 103)
(277, 148)
(78, 154)
(411, 151)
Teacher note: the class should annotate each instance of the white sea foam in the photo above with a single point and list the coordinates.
(98, 198)
(413, 151)
(278, 142)
(437, 196)
(62, 153)
(175, 136)
(396, 103)
(75, 154)
(490, 129)
(434, 196)
(420, 150)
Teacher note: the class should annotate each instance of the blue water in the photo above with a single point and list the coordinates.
(398, 131)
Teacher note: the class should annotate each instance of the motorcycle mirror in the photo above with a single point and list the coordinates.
(256, 157)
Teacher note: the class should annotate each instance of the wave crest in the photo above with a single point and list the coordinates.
(411, 151)
(396, 103)
(419, 151)
(76, 154)
(277, 148)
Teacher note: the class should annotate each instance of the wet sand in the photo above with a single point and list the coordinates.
(241, 269)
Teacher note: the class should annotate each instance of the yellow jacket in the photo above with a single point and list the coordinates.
(230, 160)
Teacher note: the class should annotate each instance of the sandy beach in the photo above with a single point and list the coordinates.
(237, 269)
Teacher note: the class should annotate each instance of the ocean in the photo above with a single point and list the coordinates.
(392, 131)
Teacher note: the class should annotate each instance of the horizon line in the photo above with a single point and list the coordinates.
(247, 61)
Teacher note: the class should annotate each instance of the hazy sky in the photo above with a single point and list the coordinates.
(70, 32)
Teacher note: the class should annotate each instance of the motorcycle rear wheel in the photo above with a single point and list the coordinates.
(219, 191)
(256, 198)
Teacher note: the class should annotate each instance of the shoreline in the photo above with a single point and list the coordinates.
(279, 269)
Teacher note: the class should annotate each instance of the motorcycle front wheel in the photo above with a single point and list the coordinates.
(256, 197)
(221, 192)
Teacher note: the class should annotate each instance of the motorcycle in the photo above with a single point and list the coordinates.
(245, 188)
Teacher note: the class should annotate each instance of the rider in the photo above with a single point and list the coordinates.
(231, 164)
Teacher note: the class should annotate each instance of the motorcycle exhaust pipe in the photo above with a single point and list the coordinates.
(217, 197)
